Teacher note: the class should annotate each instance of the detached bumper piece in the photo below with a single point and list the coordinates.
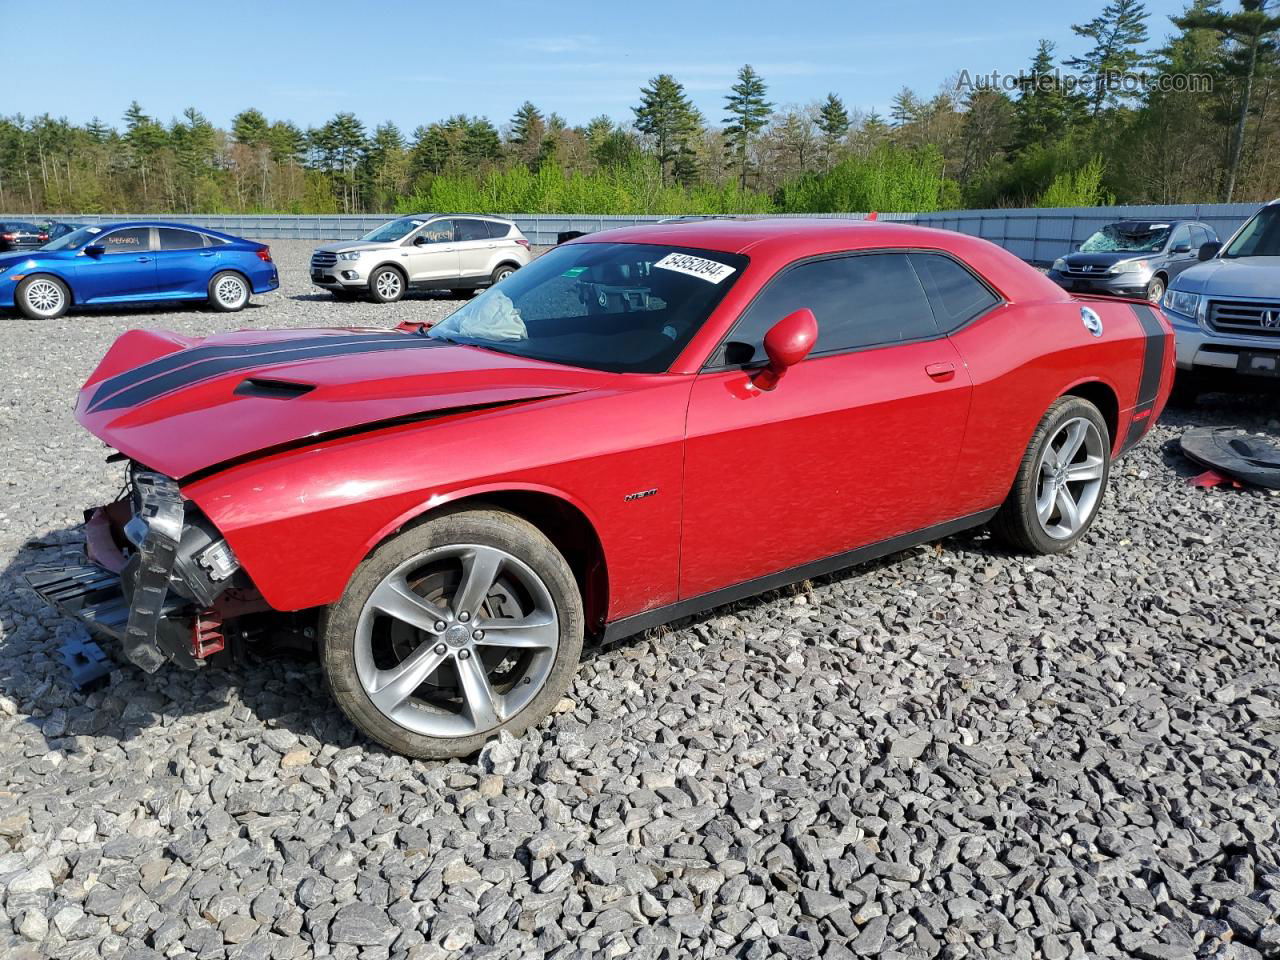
(162, 513)
(86, 592)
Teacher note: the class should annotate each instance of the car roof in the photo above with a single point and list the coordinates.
(432, 216)
(162, 223)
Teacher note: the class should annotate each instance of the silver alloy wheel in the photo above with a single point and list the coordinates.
(503, 274)
(467, 654)
(1155, 290)
(388, 284)
(231, 291)
(44, 296)
(1069, 482)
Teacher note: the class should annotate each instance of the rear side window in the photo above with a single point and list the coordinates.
(956, 294)
(171, 239)
(131, 240)
(859, 301)
(497, 230)
(472, 230)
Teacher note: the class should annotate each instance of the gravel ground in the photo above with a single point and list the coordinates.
(956, 752)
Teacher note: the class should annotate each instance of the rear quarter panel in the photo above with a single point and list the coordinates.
(301, 521)
(1021, 357)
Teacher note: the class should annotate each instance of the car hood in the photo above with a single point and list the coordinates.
(1106, 259)
(362, 245)
(1240, 277)
(8, 259)
(182, 405)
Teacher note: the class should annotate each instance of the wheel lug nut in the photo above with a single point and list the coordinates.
(439, 648)
(440, 625)
(464, 616)
(477, 635)
(464, 654)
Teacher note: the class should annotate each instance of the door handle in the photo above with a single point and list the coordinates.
(144, 259)
(207, 253)
(940, 371)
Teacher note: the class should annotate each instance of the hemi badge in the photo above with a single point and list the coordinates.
(640, 495)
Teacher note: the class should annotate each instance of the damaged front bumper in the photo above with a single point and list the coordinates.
(153, 581)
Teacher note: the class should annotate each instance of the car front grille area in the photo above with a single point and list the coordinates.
(320, 260)
(1085, 271)
(1251, 317)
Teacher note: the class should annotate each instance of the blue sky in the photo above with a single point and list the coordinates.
(415, 61)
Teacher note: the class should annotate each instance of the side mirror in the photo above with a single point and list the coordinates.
(419, 240)
(1209, 250)
(95, 250)
(787, 343)
(1181, 248)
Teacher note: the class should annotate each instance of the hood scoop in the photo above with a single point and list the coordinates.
(270, 389)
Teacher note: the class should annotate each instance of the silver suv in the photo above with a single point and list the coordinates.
(430, 251)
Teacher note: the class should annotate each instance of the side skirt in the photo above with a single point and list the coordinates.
(739, 591)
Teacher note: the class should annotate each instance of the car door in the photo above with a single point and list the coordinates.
(1182, 251)
(125, 268)
(185, 263)
(475, 247)
(855, 445)
(432, 253)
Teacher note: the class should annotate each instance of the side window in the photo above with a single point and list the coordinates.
(438, 231)
(1180, 236)
(171, 239)
(130, 240)
(956, 294)
(471, 230)
(859, 301)
(497, 230)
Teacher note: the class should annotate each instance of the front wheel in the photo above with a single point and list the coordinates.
(386, 285)
(42, 297)
(228, 292)
(457, 629)
(1155, 289)
(1060, 480)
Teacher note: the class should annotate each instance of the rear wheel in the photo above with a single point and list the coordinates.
(228, 291)
(1060, 481)
(42, 297)
(1155, 289)
(459, 628)
(502, 271)
(386, 285)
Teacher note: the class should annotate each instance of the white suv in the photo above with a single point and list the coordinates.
(431, 251)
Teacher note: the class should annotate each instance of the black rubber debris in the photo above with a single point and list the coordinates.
(1250, 459)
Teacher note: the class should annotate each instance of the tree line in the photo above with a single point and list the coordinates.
(1054, 135)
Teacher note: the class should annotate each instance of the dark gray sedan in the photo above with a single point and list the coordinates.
(1133, 258)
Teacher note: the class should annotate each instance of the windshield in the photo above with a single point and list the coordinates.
(395, 230)
(1127, 238)
(621, 307)
(74, 240)
(1260, 237)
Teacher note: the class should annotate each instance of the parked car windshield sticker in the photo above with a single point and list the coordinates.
(712, 271)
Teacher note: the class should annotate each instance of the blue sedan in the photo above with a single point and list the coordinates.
(115, 263)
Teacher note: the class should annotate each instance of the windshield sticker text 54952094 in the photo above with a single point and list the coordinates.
(710, 270)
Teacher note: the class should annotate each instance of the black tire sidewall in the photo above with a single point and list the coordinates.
(501, 269)
(20, 297)
(1156, 281)
(213, 286)
(488, 527)
(1021, 526)
(373, 285)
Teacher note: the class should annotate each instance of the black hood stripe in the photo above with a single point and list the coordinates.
(217, 366)
(182, 358)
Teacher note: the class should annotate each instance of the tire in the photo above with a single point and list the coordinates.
(1023, 522)
(42, 297)
(386, 285)
(1155, 289)
(502, 271)
(364, 650)
(229, 291)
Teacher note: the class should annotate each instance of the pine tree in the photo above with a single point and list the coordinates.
(670, 121)
(250, 127)
(1117, 33)
(905, 108)
(1253, 30)
(1045, 110)
(748, 113)
(527, 134)
(833, 122)
(98, 131)
(480, 143)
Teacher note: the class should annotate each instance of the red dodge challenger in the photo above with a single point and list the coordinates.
(640, 425)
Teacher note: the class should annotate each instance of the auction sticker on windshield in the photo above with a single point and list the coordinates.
(710, 270)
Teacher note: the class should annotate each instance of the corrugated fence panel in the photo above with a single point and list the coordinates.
(1036, 235)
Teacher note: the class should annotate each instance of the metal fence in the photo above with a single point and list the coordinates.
(1035, 235)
